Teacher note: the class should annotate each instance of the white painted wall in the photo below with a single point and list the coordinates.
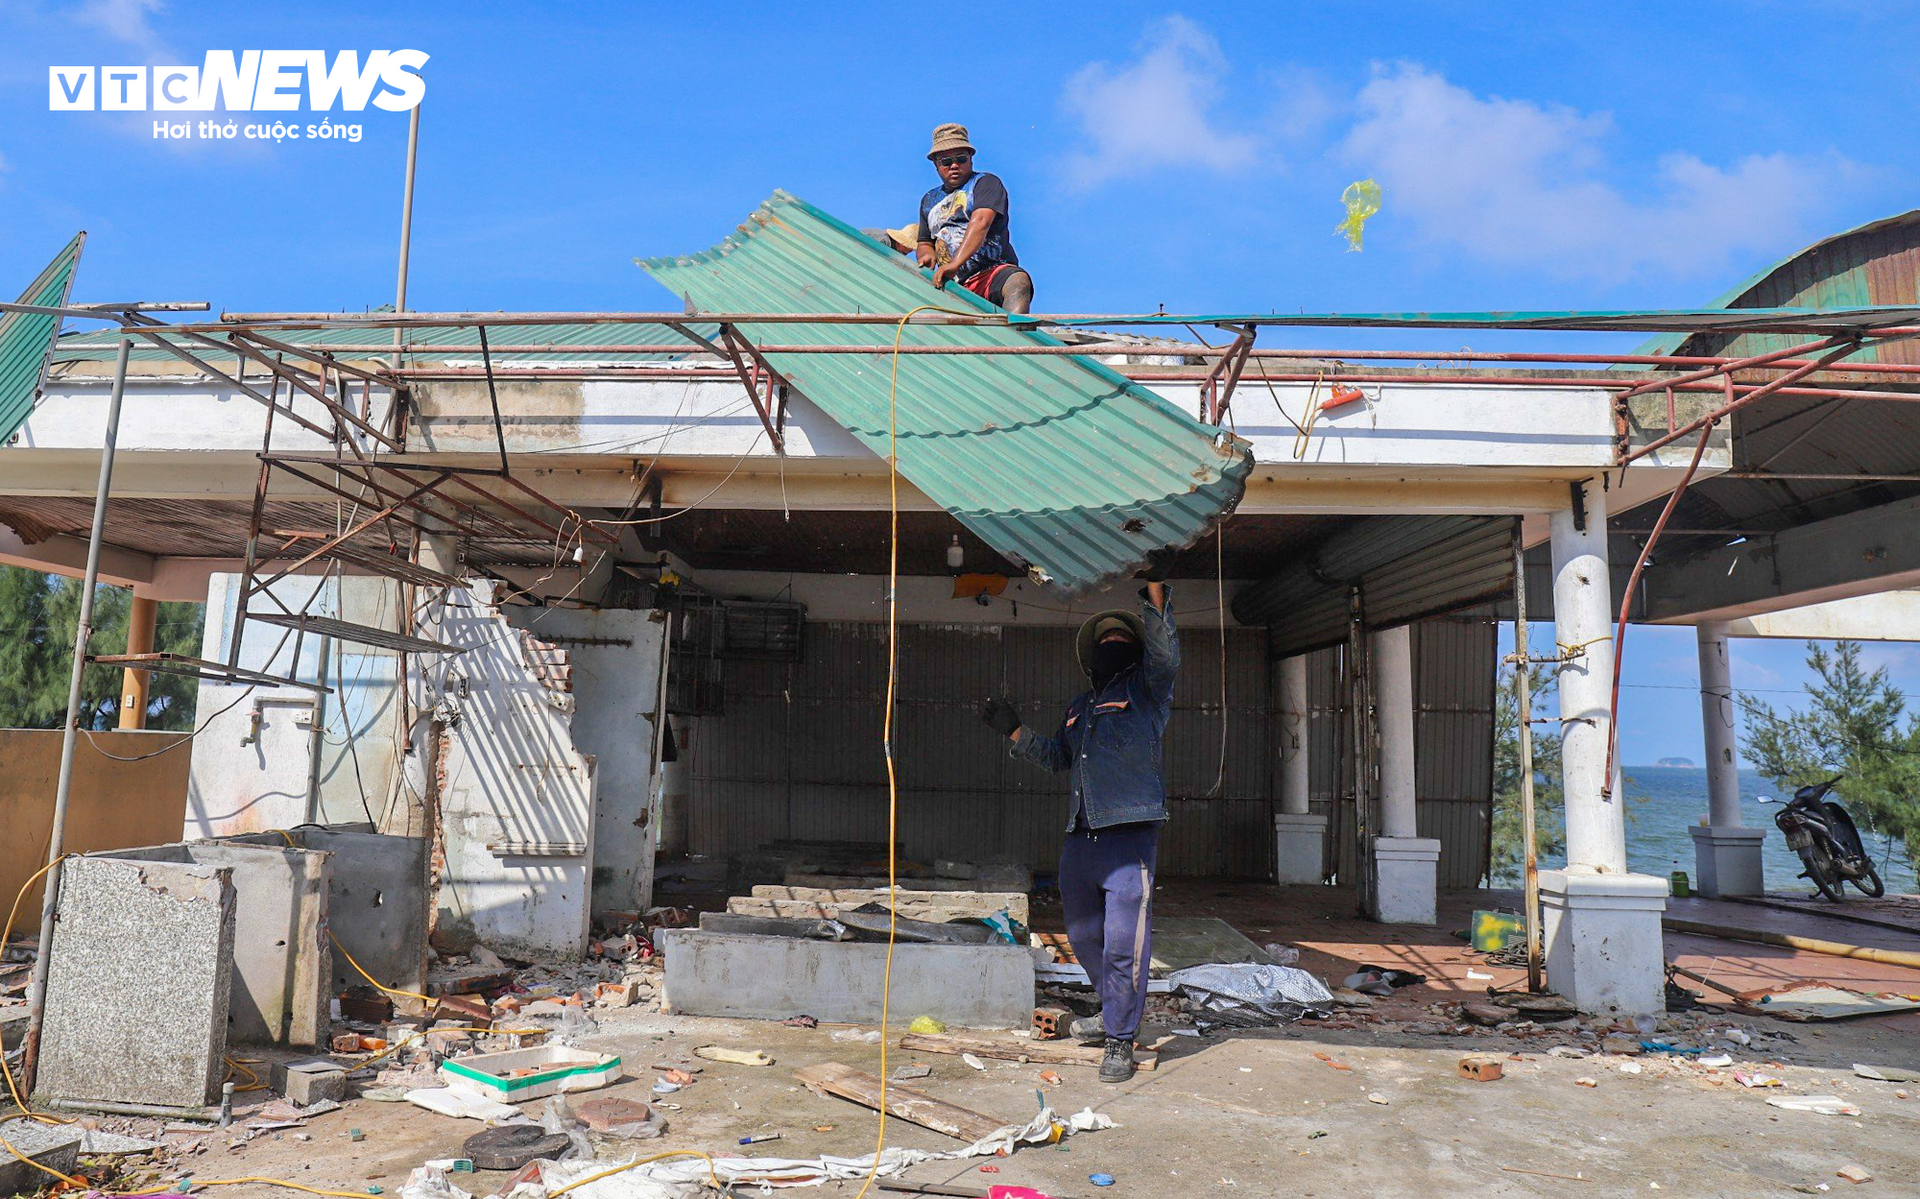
(516, 802)
(616, 689)
(251, 775)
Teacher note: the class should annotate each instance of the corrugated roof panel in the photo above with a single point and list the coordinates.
(1872, 267)
(25, 338)
(1058, 463)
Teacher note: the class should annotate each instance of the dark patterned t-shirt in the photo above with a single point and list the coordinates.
(944, 215)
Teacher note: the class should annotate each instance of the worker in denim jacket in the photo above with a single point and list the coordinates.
(1109, 745)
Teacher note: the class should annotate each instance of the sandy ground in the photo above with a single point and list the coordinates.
(1258, 1112)
(1240, 1113)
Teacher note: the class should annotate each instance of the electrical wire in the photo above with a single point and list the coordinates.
(208, 723)
(886, 734)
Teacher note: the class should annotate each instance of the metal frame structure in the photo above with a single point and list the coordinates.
(411, 498)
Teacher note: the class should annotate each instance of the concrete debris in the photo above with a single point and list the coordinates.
(310, 1080)
(1885, 1073)
(1481, 1067)
(1854, 1173)
(1824, 1105)
(55, 1146)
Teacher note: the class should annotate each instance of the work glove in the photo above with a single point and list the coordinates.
(1158, 565)
(1000, 717)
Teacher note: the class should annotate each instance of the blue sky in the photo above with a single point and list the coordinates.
(1559, 156)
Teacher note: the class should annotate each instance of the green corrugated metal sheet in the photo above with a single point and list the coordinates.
(1056, 462)
(423, 343)
(1872, 264)
(25, 338)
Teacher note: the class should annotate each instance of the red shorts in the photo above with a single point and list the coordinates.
(991, 284)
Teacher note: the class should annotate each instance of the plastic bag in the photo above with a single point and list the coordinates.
(1362, 199)
(574, 1024)
(430, 1182)
(1250, 995)
(557, 1117)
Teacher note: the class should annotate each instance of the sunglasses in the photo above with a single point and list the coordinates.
(953, 160)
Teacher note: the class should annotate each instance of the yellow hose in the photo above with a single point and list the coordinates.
(378, 985)
(6, 935)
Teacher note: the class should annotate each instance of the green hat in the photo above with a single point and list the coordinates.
(1099, 625)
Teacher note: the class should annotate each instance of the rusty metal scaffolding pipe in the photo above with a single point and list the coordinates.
(1567, 323)
(1094, 349)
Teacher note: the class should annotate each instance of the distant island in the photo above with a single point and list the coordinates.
(1686, 763)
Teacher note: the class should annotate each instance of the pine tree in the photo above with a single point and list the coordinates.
(1855, 724)
(38, 614)
(1507, 863)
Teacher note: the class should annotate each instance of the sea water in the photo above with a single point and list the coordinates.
(1664, 801)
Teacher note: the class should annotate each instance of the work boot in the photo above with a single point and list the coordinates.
(1088, 1030)
(1117, 1065)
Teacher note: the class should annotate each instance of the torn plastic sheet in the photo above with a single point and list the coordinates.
(1250, 994)
(681, 1178)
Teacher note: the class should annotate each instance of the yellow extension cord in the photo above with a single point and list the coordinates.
(886, 735)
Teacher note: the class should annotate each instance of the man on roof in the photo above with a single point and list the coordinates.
(1108, 743)
(963, 231)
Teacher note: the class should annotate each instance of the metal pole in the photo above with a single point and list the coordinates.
(316, 734)
(406, 254)
(1523, 704)
(83, 631)
(406, 223)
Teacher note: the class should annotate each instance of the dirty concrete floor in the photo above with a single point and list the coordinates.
(1238, 1113)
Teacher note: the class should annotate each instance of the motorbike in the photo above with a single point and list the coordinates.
(1823, 834)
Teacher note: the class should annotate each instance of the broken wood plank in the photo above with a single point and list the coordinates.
(913, 909)
(1052, 1053)
(915, 1107)
(913, 901)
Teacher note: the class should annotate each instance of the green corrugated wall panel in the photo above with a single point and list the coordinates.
(1056, 461)
(26, 338)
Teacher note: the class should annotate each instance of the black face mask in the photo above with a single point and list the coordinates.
(1110, 658)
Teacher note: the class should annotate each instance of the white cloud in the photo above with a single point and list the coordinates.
(1156, 111)
(1521, 183)
(126, 21)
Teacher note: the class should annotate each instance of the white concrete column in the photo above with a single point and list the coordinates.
(1726, 855)
(1295, 723)
(1600, 924)
(1391, 651)
(1583, 625)
(1299, 835)
(1716, 719)
(1406, 865)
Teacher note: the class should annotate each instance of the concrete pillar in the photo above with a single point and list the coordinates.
(1601, 925)
(1583, 626)
(1406, 865)
(1299, 836)
(676, 791)
(134, 683)
(1726, 855)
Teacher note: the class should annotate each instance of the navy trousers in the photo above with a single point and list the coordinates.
(1106, 890)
